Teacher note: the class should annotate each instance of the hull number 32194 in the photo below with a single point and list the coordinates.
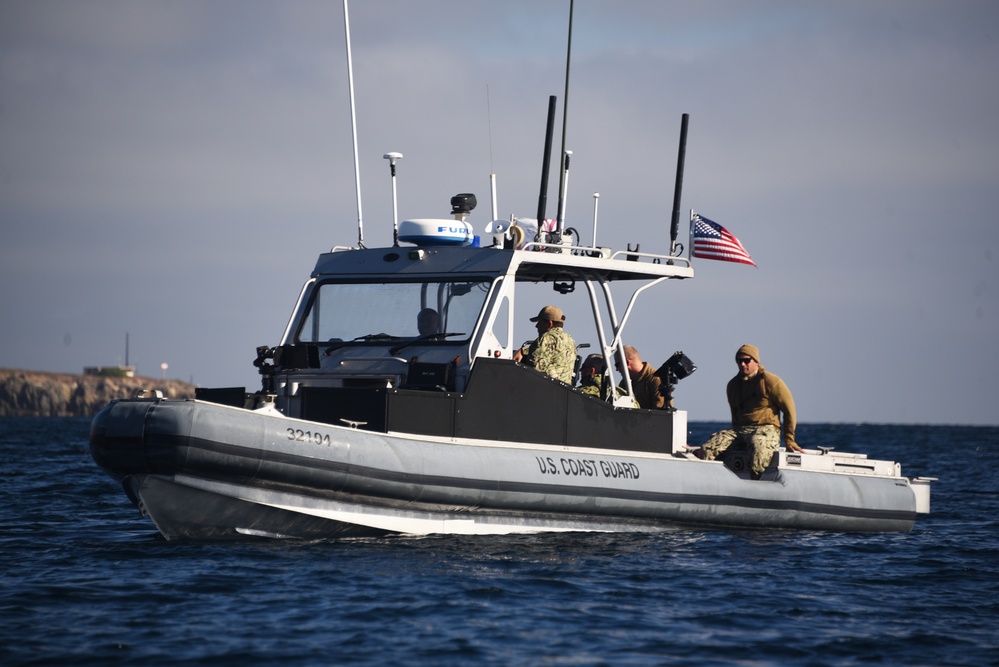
(315, 437)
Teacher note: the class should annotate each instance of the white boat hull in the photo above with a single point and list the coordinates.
(206, 471)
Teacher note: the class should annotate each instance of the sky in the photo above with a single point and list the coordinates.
(169, 172)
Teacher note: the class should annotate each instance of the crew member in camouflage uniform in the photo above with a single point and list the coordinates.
(591, 377)
(757, 399)
(591, 374)
(554, 351)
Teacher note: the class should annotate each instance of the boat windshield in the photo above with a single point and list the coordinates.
(373, 312)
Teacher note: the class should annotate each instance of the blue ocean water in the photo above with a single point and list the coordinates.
(85, 580)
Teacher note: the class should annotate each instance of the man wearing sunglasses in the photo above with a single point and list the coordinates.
(758, 399)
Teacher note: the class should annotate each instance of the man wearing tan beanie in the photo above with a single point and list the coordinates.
(757, 399)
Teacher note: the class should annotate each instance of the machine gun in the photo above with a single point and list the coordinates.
(675, 369)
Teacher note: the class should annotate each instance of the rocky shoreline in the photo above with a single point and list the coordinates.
(39, 394)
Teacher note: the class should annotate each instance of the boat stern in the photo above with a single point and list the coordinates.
(921, 487)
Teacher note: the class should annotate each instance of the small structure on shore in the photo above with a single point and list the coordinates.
(110, 371)
(117, 371)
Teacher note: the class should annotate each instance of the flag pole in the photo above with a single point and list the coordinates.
(690, 238)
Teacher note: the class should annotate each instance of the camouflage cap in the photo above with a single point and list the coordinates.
(553, 313)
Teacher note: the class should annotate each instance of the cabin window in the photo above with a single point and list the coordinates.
(373, 312)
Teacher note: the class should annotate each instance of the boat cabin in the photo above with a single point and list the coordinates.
(419, 338)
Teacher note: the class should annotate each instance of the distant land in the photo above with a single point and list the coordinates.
(39, 394)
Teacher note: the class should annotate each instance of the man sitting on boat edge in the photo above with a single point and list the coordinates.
(757, 400)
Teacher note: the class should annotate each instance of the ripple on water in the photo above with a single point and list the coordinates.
(87, 580)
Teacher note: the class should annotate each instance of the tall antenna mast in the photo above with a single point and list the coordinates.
(545, 164)
(681, 154)
(353, 126)
(565, 115)
(492, 171)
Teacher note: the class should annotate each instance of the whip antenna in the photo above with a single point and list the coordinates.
(492, 172)
(563, 193)
(353, 126)
(565, 115)
(596, 203)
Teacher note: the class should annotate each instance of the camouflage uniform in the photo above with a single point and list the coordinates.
(591, 387)
(554, 353)
(761, 441)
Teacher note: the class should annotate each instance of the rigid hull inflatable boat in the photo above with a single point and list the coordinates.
(368, 422)
(364, 425)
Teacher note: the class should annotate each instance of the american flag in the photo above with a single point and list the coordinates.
(712, 241)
